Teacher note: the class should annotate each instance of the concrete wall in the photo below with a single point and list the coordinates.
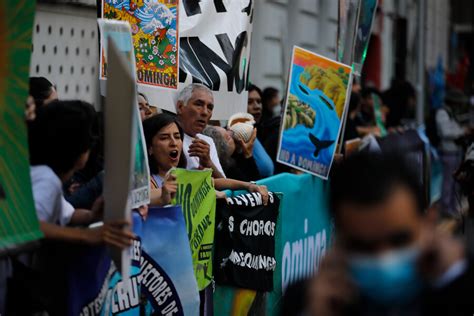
(436, 26)
(65, 49)
(280, 24)
(437, 32)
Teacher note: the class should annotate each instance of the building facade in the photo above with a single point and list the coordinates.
(65, 40)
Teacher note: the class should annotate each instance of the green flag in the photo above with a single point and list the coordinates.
(18, 220)
(197, 197)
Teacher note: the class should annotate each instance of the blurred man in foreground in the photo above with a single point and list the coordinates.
(388, 258)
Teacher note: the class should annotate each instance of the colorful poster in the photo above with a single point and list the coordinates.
(215, 50)
(301, 241)
(155, 32)
(120, 33)
(18, 220)
(315, 105)
(197, 197)
(364, 29)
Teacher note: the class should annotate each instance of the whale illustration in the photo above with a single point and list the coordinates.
(314, 142)
(315, 97)
(319, 144)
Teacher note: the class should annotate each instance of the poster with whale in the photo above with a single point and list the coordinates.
(316, 100)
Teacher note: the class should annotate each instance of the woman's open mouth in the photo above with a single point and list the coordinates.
(174, 155)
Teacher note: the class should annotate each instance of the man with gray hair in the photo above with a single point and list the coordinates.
(194, 109)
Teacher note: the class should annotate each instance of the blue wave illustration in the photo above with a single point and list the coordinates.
(153, 16)
(297, 140)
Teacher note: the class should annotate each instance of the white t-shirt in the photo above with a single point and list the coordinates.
(50, 204)
(193, 162)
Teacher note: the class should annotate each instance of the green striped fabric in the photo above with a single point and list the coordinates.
(18, 220)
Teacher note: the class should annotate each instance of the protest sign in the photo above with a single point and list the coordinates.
(161, 281)
(165, 246)
(215, 50)
(18, 220)
(245, 241)
(303, 235)
(119, 145)
(119, 32)
(364, 29)
(197, 197)
(348, 17)
(96, 287)
(315, 104)
(155, 32)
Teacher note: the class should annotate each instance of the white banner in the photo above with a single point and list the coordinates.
(214, 50)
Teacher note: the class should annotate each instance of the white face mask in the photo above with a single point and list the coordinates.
(276, 111)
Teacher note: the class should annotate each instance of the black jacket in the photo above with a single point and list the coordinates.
(243, 169)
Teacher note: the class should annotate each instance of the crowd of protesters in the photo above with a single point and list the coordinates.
(384, 231)
(446, 134)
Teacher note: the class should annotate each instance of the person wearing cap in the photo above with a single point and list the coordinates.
(194, 109)
(449, 132)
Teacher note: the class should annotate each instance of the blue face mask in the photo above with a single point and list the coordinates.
(388, 279)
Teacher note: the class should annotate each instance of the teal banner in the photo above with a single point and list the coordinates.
(303, 235)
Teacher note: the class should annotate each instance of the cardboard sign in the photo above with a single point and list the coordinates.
(119, 144)
(119, 32)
